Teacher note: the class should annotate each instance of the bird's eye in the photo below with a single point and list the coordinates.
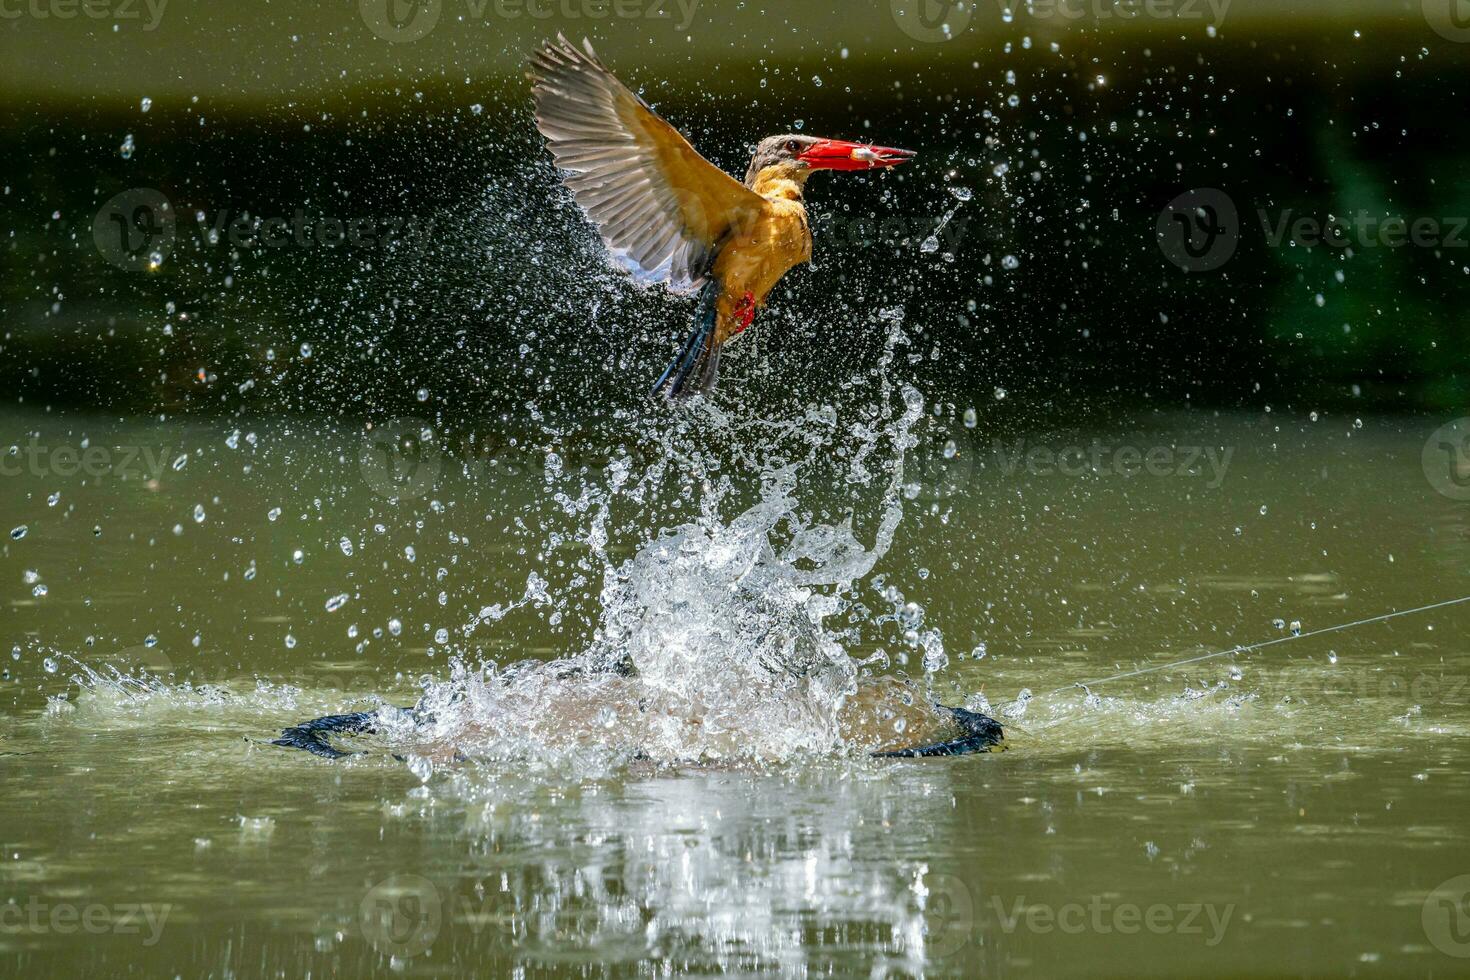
(792, 145)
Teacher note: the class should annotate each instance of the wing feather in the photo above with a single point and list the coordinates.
(660, 206)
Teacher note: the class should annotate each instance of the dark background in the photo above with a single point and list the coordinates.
(492, 293)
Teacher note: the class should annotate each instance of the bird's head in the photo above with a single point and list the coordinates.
(795, 157)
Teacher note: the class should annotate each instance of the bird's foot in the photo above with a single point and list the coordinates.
(745, 312)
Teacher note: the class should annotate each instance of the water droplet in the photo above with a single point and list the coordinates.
(441, 635)
(290, 642)
(961, 193)
(935, 660)
(971, 418)
(336, 602)
(16, 533)
(54, 499)
(181, 462)
(145, 104)
(421, 766)
(127, 147)
(273, 513)
(346, 545)
(395, 627)
(198, 513)
(422, 394)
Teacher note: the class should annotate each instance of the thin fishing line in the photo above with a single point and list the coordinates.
(1382, 618)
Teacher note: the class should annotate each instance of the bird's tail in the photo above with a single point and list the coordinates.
(697, 365)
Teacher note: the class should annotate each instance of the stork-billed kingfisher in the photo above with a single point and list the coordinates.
(669, 214)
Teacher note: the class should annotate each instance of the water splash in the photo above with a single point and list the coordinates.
(715, 639)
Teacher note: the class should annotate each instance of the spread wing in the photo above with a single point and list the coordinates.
(662, 209)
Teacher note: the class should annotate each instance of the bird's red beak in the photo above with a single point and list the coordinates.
(842, 155)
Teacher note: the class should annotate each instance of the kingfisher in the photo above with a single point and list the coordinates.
(669, 215)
